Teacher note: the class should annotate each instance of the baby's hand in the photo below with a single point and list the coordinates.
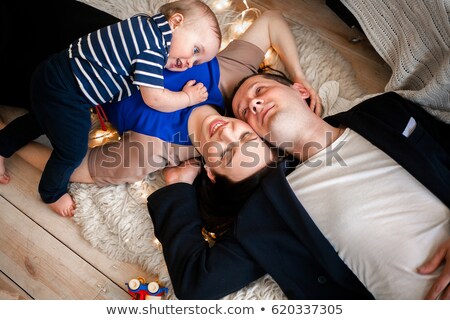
(196, 92)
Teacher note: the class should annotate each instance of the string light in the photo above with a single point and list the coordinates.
(270, 58)
(222, 4)
(244, 20)
(240, 24)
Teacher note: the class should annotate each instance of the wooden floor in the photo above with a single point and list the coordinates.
(44, 256)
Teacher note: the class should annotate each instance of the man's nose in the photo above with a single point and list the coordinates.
(256, 105)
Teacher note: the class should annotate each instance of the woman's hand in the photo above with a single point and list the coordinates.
(271, 30)
(315, 101)
(441, 287)
(184, 172)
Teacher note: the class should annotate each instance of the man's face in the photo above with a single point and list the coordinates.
(269, 107)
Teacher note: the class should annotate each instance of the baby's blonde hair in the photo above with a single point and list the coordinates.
(192, 9)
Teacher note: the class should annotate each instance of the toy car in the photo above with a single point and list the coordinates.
(140, 290)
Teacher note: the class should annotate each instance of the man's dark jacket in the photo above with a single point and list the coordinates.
(274, 234)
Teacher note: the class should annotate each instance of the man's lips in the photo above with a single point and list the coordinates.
(264, 113)
(215, 125)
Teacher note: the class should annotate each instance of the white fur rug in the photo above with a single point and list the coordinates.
(115, 219)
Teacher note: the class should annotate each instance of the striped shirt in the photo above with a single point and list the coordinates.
(110, 63)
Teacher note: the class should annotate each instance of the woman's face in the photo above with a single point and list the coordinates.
(231, 148)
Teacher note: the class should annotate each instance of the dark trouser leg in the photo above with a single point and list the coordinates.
(70, 143)
(18, 133)
(64, 115)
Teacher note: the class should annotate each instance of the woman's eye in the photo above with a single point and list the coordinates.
(196, 50)
(244, 112)
(225, 155)
(249, 135)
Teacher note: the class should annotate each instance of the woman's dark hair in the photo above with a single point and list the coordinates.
(220, 201)
(268, 73)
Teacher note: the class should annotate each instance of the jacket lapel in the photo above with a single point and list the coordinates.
(280, 194)
(383, 124)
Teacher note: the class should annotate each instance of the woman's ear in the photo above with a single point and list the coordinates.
(301, 88)
(176, 20)
(210, 174)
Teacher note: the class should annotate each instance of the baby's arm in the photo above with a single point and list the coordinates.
(165, 100)
(271, 30)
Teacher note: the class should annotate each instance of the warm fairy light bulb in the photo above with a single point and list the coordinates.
(157, 244)
(100, 137)
(239, 24)
(240, 27)
(243, 21)
(222, 4)
(269, 57)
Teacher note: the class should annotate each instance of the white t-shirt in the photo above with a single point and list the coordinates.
(381, 221)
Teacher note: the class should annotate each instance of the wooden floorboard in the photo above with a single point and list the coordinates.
(22, 195)
(46, 267)
(9, 290)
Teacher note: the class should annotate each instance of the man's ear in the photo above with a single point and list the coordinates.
(176, 20)
(210, 174)
(301, 88)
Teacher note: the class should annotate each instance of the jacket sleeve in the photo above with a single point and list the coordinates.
(196, 270)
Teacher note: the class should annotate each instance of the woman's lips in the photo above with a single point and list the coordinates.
(215, 125)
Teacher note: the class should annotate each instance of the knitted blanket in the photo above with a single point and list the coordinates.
(413, 37)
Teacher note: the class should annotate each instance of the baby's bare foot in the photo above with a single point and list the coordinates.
(64, 206)
(4, 176)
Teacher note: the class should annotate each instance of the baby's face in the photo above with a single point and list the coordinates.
(192, 44)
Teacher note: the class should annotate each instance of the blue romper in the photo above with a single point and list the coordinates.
(133, 114)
